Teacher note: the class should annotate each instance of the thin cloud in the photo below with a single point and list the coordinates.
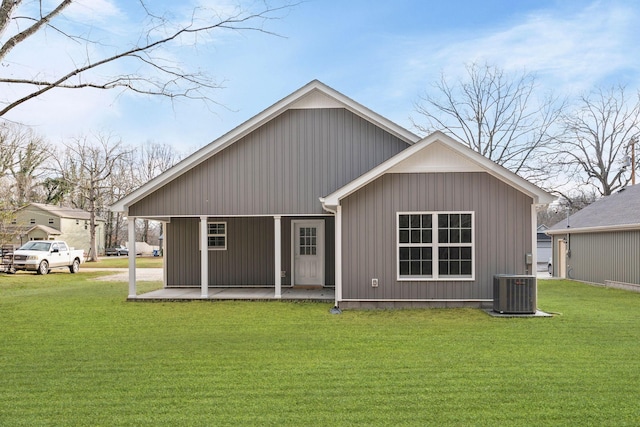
(572, 53)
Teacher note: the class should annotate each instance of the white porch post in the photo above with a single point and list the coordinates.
(338, 254)
(534, 241)
(204, 258)
(131, 228)
(163, 252)
(277, 250)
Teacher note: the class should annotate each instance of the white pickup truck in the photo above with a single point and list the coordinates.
(43, 255)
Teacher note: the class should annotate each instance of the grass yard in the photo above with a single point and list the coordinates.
(74, 353)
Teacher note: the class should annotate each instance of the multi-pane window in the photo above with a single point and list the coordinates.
(415, 235)
(217, 235)
(308, 241)
(434, 245)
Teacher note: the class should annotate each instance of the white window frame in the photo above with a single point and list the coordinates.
(435, 245)
(224, 235)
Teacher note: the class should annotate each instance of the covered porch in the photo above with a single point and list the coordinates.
(320, 294)
(246, 258)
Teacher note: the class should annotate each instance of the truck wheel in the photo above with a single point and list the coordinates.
(75, 267)
(43, 268)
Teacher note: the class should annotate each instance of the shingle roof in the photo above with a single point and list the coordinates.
(619, 210)
(63, 212)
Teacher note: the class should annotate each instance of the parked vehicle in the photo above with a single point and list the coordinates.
(43, 255)
(117, 251)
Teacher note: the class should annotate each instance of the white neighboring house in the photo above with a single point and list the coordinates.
(39, 221)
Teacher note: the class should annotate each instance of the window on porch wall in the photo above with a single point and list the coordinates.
(217, 236)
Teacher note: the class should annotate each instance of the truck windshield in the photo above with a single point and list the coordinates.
(36, 246)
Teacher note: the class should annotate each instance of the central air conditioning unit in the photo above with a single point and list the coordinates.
(514, 294)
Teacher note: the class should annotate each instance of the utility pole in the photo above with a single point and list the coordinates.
(631, 160)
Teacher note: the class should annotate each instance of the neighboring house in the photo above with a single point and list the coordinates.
(318, 190)
(544, 248)
(38, 221)
(601, 242)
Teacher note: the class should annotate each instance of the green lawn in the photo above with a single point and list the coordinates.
(74, 353)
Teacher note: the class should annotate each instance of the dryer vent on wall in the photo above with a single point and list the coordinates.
(514, 294)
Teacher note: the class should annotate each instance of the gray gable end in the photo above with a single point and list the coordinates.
(283, 167)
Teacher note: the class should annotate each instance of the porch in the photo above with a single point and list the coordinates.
(324, 294)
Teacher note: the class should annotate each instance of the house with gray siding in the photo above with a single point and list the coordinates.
(601, 243)
(320, 191)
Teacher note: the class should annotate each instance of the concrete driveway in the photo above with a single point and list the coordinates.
(122, 274)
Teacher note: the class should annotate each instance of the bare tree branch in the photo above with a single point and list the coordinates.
(495, 115)
(596, 136)
(23, 35)
(153, 76)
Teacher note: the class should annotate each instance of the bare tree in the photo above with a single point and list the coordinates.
(153, 159)
(22, 156)
(10, 140)
(87, 164)
(596, 138)
(495, 114)
(138, 167)
(143, 56)
(28, 170)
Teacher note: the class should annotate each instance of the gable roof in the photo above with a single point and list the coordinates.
(315, 94)
(619, 211)
(439, 153)
(26, 229)
(61, 211)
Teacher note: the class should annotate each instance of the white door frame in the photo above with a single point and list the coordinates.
(562, 259)
(319, 223)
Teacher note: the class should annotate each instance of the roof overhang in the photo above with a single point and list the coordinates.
(313, 95)
(439, 153)
(599, 229)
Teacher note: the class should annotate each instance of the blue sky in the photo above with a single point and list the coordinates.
(383, 54)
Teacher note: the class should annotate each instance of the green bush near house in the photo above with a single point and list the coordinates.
(74, 353)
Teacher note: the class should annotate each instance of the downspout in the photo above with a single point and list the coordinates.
(337, 213)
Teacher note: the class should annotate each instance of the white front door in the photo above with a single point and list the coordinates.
(308, 252)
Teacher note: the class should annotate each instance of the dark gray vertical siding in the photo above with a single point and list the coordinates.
(502, 233)
(249, 258)
(281, 168)
(597, 257)
(183, 256)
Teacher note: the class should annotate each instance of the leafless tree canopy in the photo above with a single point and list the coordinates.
(495, 114)
(596, 139)
(23, 156)
(86, 164)
(144, 59)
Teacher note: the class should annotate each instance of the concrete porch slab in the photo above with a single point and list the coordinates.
(538, 313)
(250, 294)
